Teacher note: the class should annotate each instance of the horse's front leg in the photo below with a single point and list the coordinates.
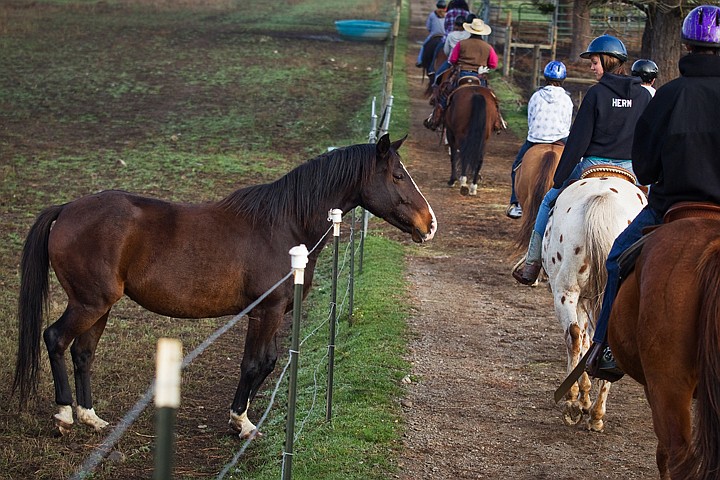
(83, 355)
(258, 362)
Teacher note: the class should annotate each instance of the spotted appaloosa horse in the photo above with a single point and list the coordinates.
(588, 216)
(195, 261)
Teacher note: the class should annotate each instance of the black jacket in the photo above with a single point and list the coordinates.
(605, 123)
(677, 139)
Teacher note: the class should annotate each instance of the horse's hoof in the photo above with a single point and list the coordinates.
(572, 414)
(63, 427)
(464, 190)
(473, 190)
(595, 425)
(251, 435)
(452, 183)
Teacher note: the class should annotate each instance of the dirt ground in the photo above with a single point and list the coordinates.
(487, 353)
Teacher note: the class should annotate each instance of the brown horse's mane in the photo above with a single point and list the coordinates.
(298, 193)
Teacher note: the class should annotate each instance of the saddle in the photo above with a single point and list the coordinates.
(607, 170)
(680, 210)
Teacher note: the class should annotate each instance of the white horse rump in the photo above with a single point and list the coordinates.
(588, 216)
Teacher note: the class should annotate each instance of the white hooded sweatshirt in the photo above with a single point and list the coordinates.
(549, 115)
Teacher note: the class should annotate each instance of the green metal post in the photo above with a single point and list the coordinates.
(299, 261)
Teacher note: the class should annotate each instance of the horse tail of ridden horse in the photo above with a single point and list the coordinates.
(544, 182)
(34, 281)
(598, 240)
(473, 145)
(703, 462)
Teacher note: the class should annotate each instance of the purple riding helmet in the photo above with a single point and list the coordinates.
(702, 26)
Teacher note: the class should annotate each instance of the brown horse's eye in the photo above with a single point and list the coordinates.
(398, 176)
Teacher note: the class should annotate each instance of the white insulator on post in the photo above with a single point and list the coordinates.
(167, 373)
(298, 256)
(335, 216)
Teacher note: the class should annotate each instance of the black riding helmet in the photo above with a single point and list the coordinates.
(645, 69)
(608, 45)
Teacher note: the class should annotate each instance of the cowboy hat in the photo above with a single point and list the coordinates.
(477, 27)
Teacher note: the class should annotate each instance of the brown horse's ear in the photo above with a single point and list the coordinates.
(397, 143)
(383, 145)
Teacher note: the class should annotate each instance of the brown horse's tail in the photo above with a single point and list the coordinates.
(34, 268)
(472, 146)
(540, 188)
(704, 461)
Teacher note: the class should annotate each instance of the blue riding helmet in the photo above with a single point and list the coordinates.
(702, 26)
(555, 70)
(608, 45)
(645, 69)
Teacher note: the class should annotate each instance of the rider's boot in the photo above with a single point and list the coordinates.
(601, 363)
(435, 118)
(530, 270)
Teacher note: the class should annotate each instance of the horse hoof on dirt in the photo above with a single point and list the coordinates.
(464, 190)
(473, 190)
(595, 425)
(572, 414)
(452, 183)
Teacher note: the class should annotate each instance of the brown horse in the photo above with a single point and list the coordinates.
(470, 117)
(533, 178)
(665, 333)
(195, 261)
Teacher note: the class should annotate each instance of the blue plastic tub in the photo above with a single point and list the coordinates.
(363, 29)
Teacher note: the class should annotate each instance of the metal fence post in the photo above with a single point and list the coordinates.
(336, 217)
(299, 259)
(167, 400)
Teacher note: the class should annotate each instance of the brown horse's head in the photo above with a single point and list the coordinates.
(391, 194)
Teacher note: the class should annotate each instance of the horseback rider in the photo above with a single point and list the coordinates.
(601, 134)
(549, 117)
(453, 39)
(455, 9)
(675, 151)
(435, 25)
(647, 70)
(471, 57)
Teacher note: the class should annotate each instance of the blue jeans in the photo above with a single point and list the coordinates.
(549, 200)
(516, 163)
(443, 68)
(630, 235)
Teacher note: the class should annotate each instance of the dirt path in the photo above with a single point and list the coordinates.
(487, 353)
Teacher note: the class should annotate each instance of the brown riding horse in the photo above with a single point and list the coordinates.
(195, 261)
(533, 178)
(470, 117)
(665, 333)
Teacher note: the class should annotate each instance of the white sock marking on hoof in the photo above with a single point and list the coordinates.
(64, 419)
(241, 424)
(88, 417)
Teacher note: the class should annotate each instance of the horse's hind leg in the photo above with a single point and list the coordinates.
(453, 159)
(83, 354)
(58, 337)
(476, 178)
(258, 361)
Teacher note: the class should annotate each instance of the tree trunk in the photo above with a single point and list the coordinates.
(581, 30)
(661, 42)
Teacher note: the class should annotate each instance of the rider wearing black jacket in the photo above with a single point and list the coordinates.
(604, 124)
